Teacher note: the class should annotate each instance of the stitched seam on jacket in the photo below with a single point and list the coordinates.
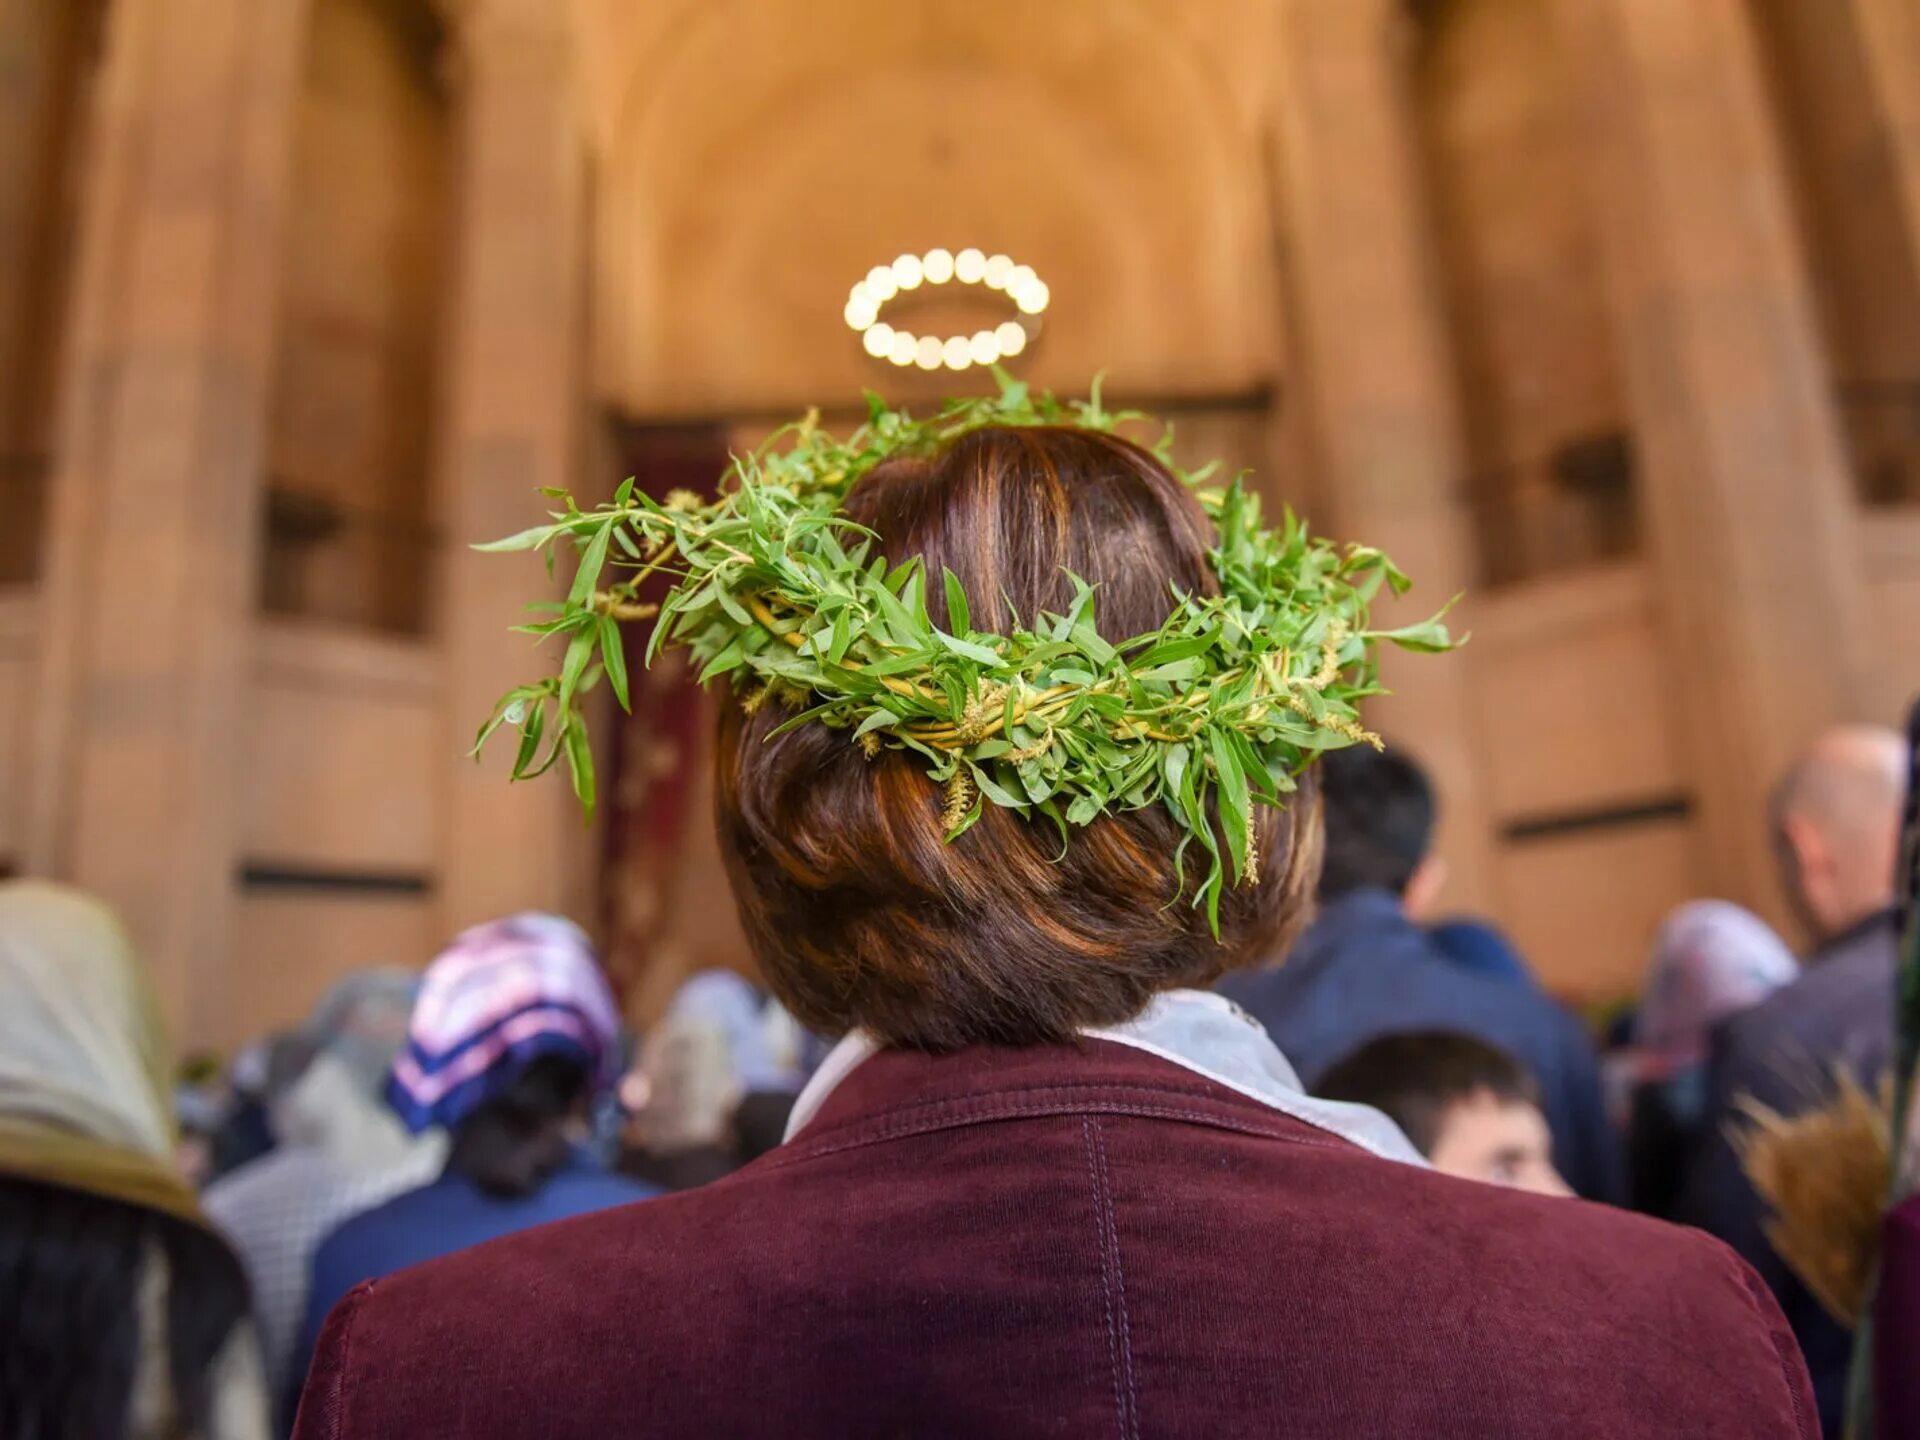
(992, 1108)
(989, 1108)
(1113, 1281)
(1785, 1348)
(337, 1409)
(1062, 1088)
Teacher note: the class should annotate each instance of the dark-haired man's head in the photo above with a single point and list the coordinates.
(1379, 809)
(1469, 1107)
(515, 1142)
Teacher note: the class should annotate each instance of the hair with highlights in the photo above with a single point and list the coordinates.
(859, 911)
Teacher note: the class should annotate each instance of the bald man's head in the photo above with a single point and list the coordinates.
(1836, 817)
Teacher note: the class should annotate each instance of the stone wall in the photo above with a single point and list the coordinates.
(361, 299)
(1395, 267)
(1515, 227)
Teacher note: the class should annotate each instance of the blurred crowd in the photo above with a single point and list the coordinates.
(174, 1240)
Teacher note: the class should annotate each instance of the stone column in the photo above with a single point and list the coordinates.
(1890, 39)
(1745, 498)
(43, 47)
(1372, 368)
(154, 524)
(514, 376)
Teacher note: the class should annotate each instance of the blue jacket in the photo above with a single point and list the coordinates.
(449, 1214)
(1782, 1053)
(1363, 969)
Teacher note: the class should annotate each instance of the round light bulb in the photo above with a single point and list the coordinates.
(937, 266)
(907, 272)
(859, 290)
(900, 350)
(968, 266)
(880, 284)
(1033, 299)
(956, 353)
(1019, 278)
(1012, 337)
(984, 347)
(998, 268)
(878, 339)
(860, 313)
(926, 353)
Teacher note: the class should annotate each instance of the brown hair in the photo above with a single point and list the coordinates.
(1416, 1076)
(859, 911)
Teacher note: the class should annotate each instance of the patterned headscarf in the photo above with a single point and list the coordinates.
(1711, 959)
(502, 995)
(84, 1083)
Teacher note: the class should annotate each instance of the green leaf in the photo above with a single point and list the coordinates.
(841, 638)
(580, 762)
(880, 719)
(1083, 810)
(994, 790)
(1430, 637)
(579, 652)
(1093, 645)
(1234, 802)
(592, 561)
(530, 731)
(959, 618)
(1192, 668)
(528, 539)
(972, 650)
(731, 656)
(613, 652)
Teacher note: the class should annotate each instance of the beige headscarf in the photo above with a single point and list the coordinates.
(84, 1062)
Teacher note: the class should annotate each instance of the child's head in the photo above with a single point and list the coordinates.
(1471, 1109)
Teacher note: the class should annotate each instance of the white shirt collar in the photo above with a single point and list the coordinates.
(1197, 1031)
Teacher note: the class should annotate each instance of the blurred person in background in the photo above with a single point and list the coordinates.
(245, 1129)
(767, 1048)
(722, 1044)
(123, 1315)
(341, 1149)
(1836, 826)
(683, 1098)
(1365, 968)
(512, 1036)
(1480, 947)
(1471, 1109)
(1712, 959)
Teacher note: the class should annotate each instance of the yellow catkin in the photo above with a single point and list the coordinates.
(1033, 751)
(961, 793)
(982, 714)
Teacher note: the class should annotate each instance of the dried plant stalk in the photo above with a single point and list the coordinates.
(1824, 1172)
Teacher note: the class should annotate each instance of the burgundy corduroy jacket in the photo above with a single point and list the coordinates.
(1083, 1241)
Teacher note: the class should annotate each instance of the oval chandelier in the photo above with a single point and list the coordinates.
(885, 283)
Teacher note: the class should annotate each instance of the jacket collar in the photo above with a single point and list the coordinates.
(1866, 928)
(1200, 1034)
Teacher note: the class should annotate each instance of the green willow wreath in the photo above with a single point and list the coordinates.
(1218, 709)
